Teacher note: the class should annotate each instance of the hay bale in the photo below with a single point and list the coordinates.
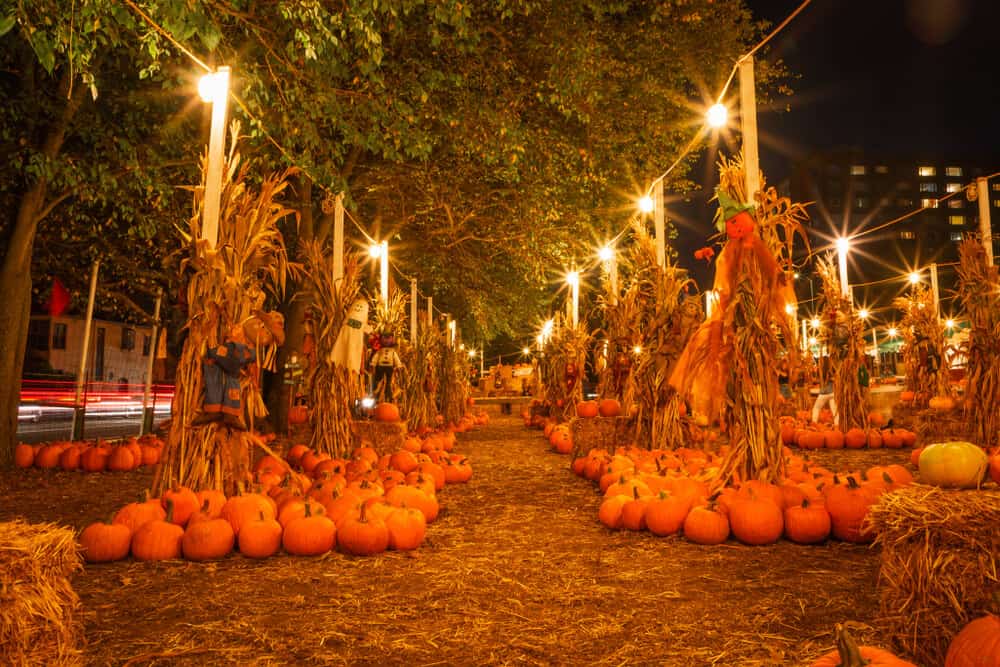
(939, 564)
(601, 433)
(938, 425)
(384, 437)
(39, 622)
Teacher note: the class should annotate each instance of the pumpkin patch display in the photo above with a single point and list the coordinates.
(90, 455)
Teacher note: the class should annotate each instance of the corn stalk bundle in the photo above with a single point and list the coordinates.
(923, 354)
(979, 290)
(332, 387)
(225, 286)
(659, 308)
(566, 349)
(453, 383)
(419, 382)
(739, 345)
(844, 340)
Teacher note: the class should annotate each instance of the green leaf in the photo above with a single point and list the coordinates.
(6, 24)
(43, 49)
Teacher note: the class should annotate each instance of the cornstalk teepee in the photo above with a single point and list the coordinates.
(453, 380)
(419, 383)
(923, 354)
(979, 290)
(332, 387)
(843, 334)
(728, 370)
(563, 367)
(226, 286)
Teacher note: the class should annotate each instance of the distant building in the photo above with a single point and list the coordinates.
(118, 351)
(853, 191)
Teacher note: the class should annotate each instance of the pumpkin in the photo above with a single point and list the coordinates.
(995, 467)
(977, 645)
(298, 508)
(24, 455)
(105, 542)
(756, 521)
(407, 528)
(876, 418)
(833, 439)
(185, 503)
(561, 440)
(849, 654)
(120, 460)
(160, 539)
(295, 453)
(706, 525)
(609, 407)
(386, 412)
(634, 512)
(459, 471)
(665, 514)
(150, 455)
(848, 506)
(403, 461)
(953, 465)
(309, 535)
(136, 515)
(70, 458)
(403, 495)
(941, 403)
(807, 523)
(907, 396)
(207, 539)
(216, 501)
(610, 511)
(892, 439)
(811, 440)
(260, 537)
(246, 507)
(855, 438)
(48, 456)
(298, 414)
(586, 409)
(363, 535)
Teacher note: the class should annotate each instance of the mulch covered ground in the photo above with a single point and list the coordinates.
(516, 570)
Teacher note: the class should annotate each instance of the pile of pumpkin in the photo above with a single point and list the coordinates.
(802, 432)
(307, 505)
(667, 492)
(90, 456)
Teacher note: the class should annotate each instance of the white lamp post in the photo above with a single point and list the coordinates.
(609, 257)
(214, 88)
(573, 280)
(842, 247)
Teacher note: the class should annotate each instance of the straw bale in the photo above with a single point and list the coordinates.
(384, 437)
(601, 432)
(939, 564)
(39, 621)
(937, 425)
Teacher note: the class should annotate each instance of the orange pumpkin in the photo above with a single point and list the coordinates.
(386, 412)
(586, 409)
(609, 407)
(849, 653)
(977, 645)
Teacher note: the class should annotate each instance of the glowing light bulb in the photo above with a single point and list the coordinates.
(646, 204)
(472, 353)
(213, 86)
(843, 245)
(893, 332)
(572, 278)
(789, 309)
(863, 313)
(812, 340)
(375, 250)
(950, 323)
(914, 277)
(637, 349)
(814, 323)
(526, 351)
(717, 115)
(606, 254)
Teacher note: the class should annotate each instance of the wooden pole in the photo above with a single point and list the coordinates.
(985, 225)
(430, 311)
(748, 119)
(413, 312)
(659, 223)
(805, 337)
(147, 409)
(934, 291)
(81, 375)
(216, 154)
(613, 276)
(384, 272)
(338, 237)
(845, 287)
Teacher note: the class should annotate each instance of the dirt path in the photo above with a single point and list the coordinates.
(516, 570)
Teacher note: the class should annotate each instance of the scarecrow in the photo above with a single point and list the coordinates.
(384, 361)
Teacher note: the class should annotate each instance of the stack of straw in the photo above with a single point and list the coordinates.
(38, 607)
(939, 564)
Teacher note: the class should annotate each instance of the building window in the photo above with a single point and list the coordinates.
(38, 334)
(952, 171)
(834, 202)
(881, 169)
(905, 202)
(928, 203)
(59, 336)
(956, 219)
(885, 201)
(926, 171)
(996, 203)
(128, 339)
(956, 203)
(907, 235)
(860, 202)
(953, 187)
(928, 187)
(857, 170)
(996, 187)
(904, 185)
(147, 342)
(955, 236)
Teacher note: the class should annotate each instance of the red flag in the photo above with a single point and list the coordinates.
(59, 299)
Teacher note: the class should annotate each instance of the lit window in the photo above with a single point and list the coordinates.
(857, 170)
(928, 187)
(996, 187)
(860, 202)
(996, 203)
(955, 236)
(956, 203)
(952, 171)
(926, 171)
(928, 203)
(906, 235)
(952, 187)
(956, 219)
(881, 169)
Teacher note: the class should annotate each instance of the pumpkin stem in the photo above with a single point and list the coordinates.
(805, 503)
(850, 654)
(170, 511)
(362, 518)
(853, 483)
(308, 510)
(635, 492)
(886, 478)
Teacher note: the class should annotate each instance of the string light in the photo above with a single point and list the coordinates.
(717, 115)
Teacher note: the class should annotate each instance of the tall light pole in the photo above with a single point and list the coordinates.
(573, 280)
(985, 226)
(748, 122)
(338, 237)
(609, 257)
(79, 411)
(214, 88)
(843, 245)
(380, 251)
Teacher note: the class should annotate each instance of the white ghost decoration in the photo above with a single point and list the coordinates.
(349, 349)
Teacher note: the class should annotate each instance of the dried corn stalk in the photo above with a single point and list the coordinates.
(453, 385)
(563, 367)
(843, 335)
(979, 290)
(332, 387)
(225, 286)
(923, 353)
(419, 382)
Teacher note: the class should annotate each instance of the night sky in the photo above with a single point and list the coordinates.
(911, 78)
